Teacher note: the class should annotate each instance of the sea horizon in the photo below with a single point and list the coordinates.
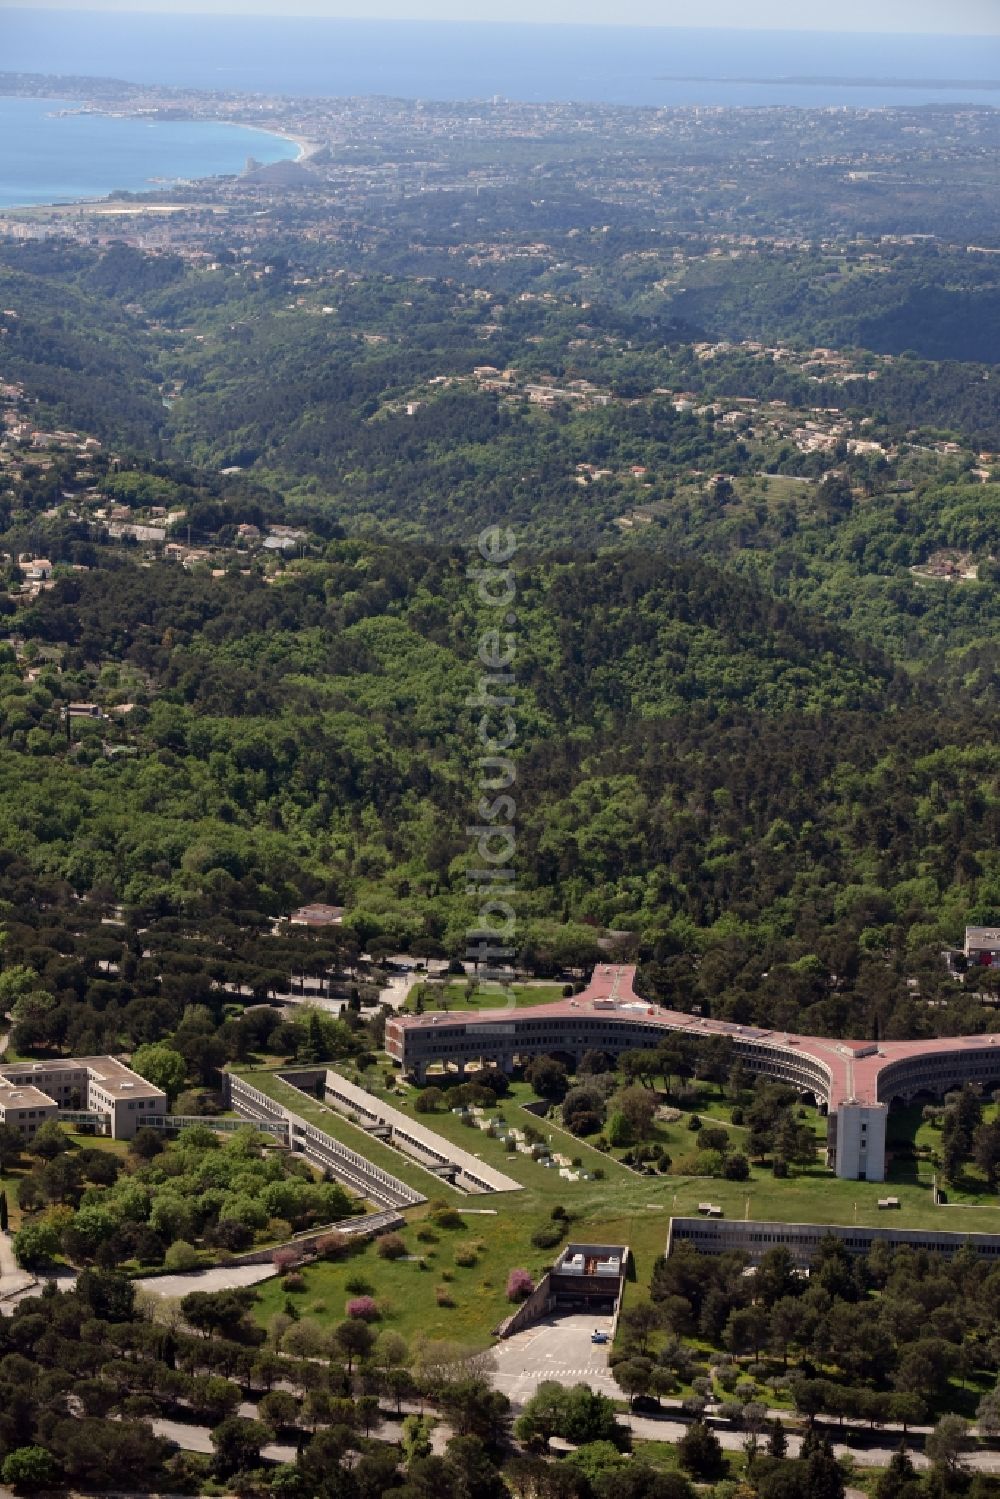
(534, 62)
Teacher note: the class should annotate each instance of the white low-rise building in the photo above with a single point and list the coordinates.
(80, 1085)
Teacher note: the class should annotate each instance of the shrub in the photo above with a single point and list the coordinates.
(429, 1101)
(736, 1168)
(31, 1468)
(293, 1282)
(694, 1123)
(284, 1259)
(390, 1247)
(448, 1218)
(548, 1236)
(443, 1296)
(519, 1285)
(465, 1256)
(332, 1246)
(427, 1236)
(362, 1309)
(180, 1257)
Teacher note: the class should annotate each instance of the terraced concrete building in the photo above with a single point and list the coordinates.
(855, 1081)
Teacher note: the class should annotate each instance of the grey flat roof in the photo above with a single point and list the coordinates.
(989, 936)
(111, 1074)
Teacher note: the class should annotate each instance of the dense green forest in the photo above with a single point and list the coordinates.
(789, 823)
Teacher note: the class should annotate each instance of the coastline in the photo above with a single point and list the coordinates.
(304, 145)
(304, 148)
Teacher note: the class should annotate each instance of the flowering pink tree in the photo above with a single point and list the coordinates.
(285, 1259)
(363, 1309)
(519, 1285)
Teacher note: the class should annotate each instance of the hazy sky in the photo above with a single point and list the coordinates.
(975, 17)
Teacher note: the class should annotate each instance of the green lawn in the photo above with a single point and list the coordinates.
(625, 1207)
(478, 1291)
(512, 1112)
(908, 1130)
(453, 997)
(9, 1183)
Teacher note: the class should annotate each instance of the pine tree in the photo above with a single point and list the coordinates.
(777, 1442)
(898, 1477)
(824, 1476)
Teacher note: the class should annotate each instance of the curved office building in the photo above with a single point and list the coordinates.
(855, 1081)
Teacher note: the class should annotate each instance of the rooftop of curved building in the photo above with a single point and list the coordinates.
(854, 1068)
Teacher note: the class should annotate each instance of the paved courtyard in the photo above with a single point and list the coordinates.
(557, 1348)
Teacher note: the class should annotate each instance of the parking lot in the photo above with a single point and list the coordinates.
(557, 1348)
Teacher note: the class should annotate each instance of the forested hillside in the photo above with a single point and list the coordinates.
(752, 480)
(765, 803)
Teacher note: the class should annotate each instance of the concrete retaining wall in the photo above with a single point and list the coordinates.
(536, 1306)
(305, 1243)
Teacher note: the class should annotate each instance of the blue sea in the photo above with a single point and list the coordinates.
(453, 60)
(48, 157)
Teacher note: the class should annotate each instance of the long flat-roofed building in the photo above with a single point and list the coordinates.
(855, 1081)
(755, 1237)
(94, 1085)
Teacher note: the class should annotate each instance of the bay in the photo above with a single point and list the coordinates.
(49, 156)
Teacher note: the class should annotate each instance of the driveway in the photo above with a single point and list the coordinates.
(199, 1439)
(13, 1280)
(557, 1348)
(221, 1278)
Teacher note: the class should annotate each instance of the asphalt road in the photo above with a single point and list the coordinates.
(560, 1348)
